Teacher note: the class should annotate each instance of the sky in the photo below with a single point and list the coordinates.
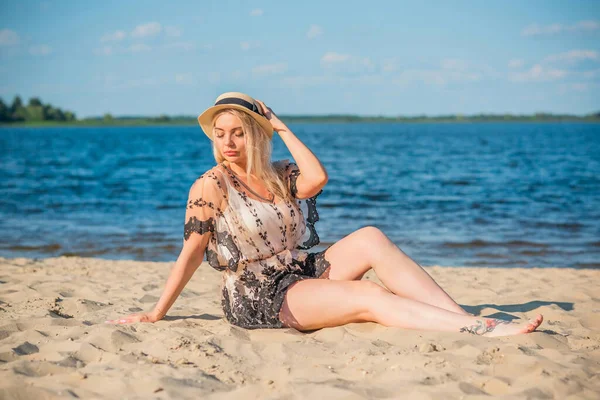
(304, 57)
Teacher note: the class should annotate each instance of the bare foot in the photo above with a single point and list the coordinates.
(492, 327)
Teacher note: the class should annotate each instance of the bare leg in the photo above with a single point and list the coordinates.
(317, 303)
(368, 248)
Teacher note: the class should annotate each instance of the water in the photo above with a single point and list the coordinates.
(503, 194)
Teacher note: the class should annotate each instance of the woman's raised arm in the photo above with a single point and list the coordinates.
(310, 175)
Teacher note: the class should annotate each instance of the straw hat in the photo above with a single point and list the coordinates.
(239, 101)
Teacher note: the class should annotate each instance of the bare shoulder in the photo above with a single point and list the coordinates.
(210, 178)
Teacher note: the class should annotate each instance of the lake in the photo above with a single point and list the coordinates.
(485, 194)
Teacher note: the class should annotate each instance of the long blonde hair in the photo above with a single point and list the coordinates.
(258, 153)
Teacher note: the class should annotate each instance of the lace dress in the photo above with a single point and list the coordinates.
(259, 245)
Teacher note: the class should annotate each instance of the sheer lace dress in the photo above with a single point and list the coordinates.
(260, 245)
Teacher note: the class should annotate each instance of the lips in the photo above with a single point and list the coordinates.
(231, 153)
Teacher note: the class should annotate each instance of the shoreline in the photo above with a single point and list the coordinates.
(125, 124)
(54, 343)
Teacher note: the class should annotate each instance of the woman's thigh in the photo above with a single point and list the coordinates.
(317, 303)
(350, 257)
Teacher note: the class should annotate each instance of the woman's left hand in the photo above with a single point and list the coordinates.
(270, 115)
(133, 318)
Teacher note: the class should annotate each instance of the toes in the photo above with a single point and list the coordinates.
(532, 326)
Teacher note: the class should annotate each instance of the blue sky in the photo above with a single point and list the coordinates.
(309, 57)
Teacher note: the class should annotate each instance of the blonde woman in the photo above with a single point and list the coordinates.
(254, 220)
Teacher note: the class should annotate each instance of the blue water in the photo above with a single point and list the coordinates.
(503, 194)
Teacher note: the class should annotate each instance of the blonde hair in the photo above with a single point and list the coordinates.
(258, 153)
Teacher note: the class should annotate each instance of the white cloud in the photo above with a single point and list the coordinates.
(454, 64)
(366, 62)
(40, 50)
(319, 80)
(451, 70)
(147, 30)
(104, 51)
(237, 75)
(345, 62)
(538, 73)
(304, 81)
(249, 45)
(187, 46)
(587, 26)
(140, 83)
(574, 56)
(314, 31)
(578, 87)
(332, 58)
(173, 31)
(591, 74)
(535, 30)
(113, 37)
(552, 29)
(214, 77)
(184, 79)
(8, 38)
(270, 69)
(429, 77)
(257, 12)
(515, 63)
(389, 65)
(138, 48)
(113, 83)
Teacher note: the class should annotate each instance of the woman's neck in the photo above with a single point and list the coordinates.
(239, 170)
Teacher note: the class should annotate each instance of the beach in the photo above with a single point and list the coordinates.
(54, 342)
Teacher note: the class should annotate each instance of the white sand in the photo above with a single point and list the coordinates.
(54, 342)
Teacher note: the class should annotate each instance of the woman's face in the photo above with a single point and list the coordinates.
(230, 138)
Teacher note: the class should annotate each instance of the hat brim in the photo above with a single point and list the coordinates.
(206, 118)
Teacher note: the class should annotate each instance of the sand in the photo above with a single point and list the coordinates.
(54, 342)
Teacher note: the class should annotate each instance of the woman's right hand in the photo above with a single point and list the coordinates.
(133, 318)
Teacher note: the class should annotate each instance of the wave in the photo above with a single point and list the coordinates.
(483, 243)
(45, 248)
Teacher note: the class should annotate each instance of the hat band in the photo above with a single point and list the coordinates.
(240, 102)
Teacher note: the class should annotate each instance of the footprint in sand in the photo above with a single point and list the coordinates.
(34, 369)
(26, 349)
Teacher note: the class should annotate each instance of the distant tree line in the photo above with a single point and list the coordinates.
(35, 111)
(38, 113)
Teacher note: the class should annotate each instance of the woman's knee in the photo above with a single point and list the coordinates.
(371, 296)
(372, 238)
(373, 234)
(371, 288)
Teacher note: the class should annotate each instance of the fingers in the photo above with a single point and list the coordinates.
(116, 321)
(126, 320)
(264, 107)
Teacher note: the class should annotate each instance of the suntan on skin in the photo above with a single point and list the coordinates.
(409, 297)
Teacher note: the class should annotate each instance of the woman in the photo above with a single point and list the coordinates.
(255, 220)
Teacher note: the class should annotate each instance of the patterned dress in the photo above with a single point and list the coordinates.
(259, 245)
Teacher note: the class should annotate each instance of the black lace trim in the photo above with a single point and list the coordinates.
(262, 310)
(213, 260)
(293, 178)
(317, 262)
(311, 218)
(195, 225)
(200, 202)
(226, 239)
(311, 203)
